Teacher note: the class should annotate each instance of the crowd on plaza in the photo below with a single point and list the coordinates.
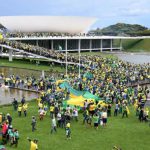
(39, 34)
(111, 81)
(41, 51)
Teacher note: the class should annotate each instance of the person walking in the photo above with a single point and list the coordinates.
(68, 131)
(33, 123)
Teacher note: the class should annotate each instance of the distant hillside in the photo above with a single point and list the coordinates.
(137, 45)
(122, 29)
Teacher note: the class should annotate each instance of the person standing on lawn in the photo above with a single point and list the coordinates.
(53, 125)
(96, 120)
(104, 117)
(68, 131)
(125, 111)
(15, 104)
(19, 110)
(33, 144)
(33, 123)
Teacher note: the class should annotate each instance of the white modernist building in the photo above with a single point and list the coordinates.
(61, 24)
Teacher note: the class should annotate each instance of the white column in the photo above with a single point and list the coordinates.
(43, 74)
(120, 44)
(90, 45)
(10, 54)
(101, 45)
(66, 58)
(79, 49)
(52, 45)
(111, 44)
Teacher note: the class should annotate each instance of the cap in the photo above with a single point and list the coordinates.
(8, 114)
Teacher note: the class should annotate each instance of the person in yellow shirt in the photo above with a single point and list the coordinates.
(92, 108)
(40, 105)
(19, 110)
(52, 111)
(68, 131)
(24, 108)
(33, 144)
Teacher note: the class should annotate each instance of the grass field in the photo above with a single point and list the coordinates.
(136, 45)
(26, 64)
(126, 133)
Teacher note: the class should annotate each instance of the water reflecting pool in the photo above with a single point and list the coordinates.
(8, 94)
(135, 58)
(24, 72)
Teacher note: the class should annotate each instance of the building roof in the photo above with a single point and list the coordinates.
(63, 24)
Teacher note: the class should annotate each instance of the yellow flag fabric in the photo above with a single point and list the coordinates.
(1, 36)
(78, 101)
(74, 96)
(59, 81)
(58, 89)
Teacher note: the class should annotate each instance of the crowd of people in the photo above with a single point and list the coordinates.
(115, 82)
(41, 51)
(10, 135)
(38, 34)
(8, 34)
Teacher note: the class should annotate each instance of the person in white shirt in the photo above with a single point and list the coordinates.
(53, 125)
(104, 117)
(41, 113)
(75, 113)
(85, 104)
(59, 119)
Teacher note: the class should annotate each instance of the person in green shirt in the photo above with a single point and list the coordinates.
(96, 119)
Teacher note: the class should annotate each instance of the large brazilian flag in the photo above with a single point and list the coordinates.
(77, 97)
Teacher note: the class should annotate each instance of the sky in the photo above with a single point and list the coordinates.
(107, 12)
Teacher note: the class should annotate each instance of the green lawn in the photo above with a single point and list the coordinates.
(136, 45)
(127, 133)
(26, 64)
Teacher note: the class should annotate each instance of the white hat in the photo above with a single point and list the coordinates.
(8, 114)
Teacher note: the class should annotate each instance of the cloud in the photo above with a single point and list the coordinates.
(135, 8)
(134, 12)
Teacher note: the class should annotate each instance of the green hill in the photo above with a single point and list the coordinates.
(137, 45)
(122, 29)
